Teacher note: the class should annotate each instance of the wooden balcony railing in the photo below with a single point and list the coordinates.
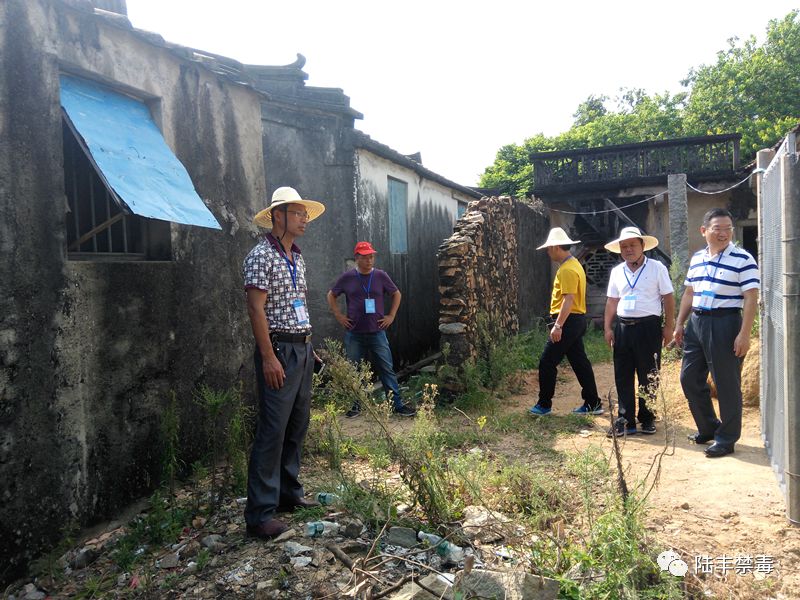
(635, 164)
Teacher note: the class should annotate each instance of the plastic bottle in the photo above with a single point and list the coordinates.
(449, 552)
(321, 529)
(327, 498)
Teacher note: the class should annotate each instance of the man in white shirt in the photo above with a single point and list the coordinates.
(721, 297)
(638, 289)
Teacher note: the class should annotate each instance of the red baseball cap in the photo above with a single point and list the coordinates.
(364, 248)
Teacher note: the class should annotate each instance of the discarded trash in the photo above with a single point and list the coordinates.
(326, 498)
(448, 551)
(321, 528)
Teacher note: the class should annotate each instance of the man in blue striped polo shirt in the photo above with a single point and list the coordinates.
(721, 297)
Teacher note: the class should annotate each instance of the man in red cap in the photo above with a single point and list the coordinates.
(365, 322)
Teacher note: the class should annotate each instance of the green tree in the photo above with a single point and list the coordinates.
(753, 90)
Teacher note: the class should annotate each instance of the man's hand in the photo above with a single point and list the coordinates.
(385, 321)
(677, 335)
(343, 320)
(741, 344)
(555, 334)
(666, 335)
(609, 335)
(274, 375)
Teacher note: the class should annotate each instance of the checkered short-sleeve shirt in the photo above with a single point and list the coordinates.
(265, 269)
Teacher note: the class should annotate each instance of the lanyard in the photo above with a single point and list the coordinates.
(369, 283)
(719, 259)
(635, 281)
(292, 267)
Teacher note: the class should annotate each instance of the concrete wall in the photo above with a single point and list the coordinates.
(90, 351)
(432, 212)
(534, 266)
(309, 150)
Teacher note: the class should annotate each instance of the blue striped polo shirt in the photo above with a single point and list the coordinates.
(727, 276)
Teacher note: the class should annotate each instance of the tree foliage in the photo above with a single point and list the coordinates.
(752, 89)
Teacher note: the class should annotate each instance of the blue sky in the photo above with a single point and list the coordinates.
(455, 80)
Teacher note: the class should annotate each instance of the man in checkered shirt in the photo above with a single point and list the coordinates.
(275, 284)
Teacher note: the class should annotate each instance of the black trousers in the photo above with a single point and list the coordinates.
(571, 346)
(637, 353)
(708, 346)
(272, 475)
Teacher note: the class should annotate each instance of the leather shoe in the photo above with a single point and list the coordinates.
(717, 450)
(267, 529)
(700, 439)
(295, 504)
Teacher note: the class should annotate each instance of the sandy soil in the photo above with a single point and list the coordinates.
(700, 507)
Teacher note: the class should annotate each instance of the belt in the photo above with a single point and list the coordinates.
(290, 338)
(716, 312)
(638, 320)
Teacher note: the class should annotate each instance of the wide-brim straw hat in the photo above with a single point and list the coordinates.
(629, 233)
(287, 195)
(558, 237)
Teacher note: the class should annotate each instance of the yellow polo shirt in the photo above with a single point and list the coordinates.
(570, 279)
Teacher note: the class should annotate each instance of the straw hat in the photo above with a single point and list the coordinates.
(630, 233)
(558, 237)
(287, 195)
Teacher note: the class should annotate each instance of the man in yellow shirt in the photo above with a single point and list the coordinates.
(568, 312)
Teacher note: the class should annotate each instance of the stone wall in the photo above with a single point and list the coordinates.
(479, 273)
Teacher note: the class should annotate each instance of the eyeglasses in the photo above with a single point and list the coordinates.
(302, 215)
(716, 229)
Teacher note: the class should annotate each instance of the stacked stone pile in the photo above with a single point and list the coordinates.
(479, 273)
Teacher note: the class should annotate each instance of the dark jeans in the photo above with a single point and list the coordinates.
(359, 346)
(272, 476)
(637, 352)
(708, 346)
(571, 346)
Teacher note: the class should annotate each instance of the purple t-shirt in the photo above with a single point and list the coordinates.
(354, 286)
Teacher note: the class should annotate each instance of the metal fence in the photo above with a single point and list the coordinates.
(772, 332)
(779, 332)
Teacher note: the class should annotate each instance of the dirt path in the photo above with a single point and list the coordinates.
(701, 507)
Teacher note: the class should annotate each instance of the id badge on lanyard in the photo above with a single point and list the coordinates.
(706, 299)
(369, 306)
(629, 302)
(300, 311)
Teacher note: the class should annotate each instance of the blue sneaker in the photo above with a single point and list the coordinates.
(622, 428)
(588, 410)
(540, 411)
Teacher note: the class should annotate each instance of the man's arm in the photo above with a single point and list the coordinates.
(608, 319)
(742, 342)
(389, 319)
(668, 300)
(334, 306)
(683, 314)
(274, 374)
(566, 305)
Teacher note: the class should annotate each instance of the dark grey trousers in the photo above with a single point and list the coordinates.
(708, 346)
(272, 476)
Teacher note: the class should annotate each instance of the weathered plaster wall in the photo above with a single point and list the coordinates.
(90, 351)
(310, 152)
(534, 266)
(432, 210)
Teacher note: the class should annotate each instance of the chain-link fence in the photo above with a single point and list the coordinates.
(772, 332)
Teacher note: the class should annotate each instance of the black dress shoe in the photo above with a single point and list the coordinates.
(295, 504)
(717, 450)
(267, 529)
(700, 439)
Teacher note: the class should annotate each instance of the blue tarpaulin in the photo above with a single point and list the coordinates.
(131, 154)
